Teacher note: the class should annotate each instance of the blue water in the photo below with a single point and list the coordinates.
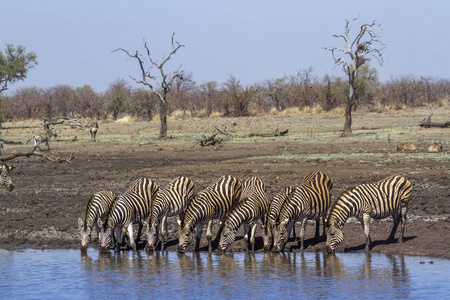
(69, 274)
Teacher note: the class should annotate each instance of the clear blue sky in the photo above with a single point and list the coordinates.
(251, 40)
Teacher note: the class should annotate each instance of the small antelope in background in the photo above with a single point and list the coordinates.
(93, 131)
(435, 147)
(410, 147)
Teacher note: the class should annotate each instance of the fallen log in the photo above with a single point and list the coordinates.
(276, 133)
(36, 153)
(427, 123)
(209, 141)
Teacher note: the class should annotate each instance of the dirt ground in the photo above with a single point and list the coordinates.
(42, 210)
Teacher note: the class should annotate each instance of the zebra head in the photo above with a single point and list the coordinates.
(335, 236)
(85, 232)
(53, 132)
(227, 238)
(267, 238)
(105, 235)
(280, 236)
(5, 178)
(151, 231)
(185, 237)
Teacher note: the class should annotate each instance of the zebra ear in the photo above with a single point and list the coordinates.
(80, 223)
(100, 223)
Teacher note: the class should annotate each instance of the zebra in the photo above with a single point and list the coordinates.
(310, 201)
(128, 209)
(170, 201)
(97, 208)
(5, 178)
(253, 205)
(378, 200)
(93, 130)
(274, 211)
(41, 138)
(214, 202)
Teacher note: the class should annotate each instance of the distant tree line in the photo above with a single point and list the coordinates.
(228, 99)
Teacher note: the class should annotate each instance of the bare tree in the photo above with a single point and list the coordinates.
(159, 86)
(366, 43)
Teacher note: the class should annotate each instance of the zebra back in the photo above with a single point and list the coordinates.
(311, 199)
(253, 204)
(214, 202)
(276, 204)
(133, 205)
(98, 207)
(172, 199)
(379, 199)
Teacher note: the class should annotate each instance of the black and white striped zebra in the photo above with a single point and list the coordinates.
(129, 208)
(5, 177)
(97, 208)
(275, 206)
(172, 200)
(387, 197)
(253, 205)
(310, 201)
(214, 202)
(43, 138)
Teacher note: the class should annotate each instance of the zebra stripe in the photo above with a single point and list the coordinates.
(253, 205)
(274, 211)
(132, 207)
(309, 201)
(214, 202)
(45, 137)
(387, 197)
(97, 208)
(5, 178)
(170, 201)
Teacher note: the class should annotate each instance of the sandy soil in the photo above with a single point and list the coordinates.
(42, 210)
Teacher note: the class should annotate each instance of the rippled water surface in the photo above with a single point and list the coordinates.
(70, 274)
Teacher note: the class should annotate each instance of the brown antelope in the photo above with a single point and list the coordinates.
(93, 131)
(410, 147)
(435, 147)
(5, 178)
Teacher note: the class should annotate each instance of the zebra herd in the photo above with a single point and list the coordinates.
(235, 204)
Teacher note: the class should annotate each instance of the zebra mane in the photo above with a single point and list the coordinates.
(346, 191)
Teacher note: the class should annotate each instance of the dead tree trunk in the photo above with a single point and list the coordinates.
(427, 123)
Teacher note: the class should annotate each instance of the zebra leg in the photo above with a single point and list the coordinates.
(130, 231)
(294, 236)
(302, 234)
(138, 237)
(209, 235)
(324, 234)
(246, 233)
(366, 227)
(198, 235)
(316, 234)
(396, 218)
(163, 231)
(97, 230)
(117, 237)
(252, 237)
(290, 227)
(403, 220)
